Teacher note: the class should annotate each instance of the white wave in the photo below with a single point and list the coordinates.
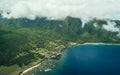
(29, 69)
(98, 44)
(46, 70)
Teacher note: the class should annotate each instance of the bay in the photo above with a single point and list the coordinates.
(87, 59)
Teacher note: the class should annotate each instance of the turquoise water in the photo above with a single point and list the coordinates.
(85, 60)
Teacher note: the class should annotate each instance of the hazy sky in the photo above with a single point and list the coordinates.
(61, 8)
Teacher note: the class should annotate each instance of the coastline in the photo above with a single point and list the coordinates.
(98, 44)
(75, 44)
(59, 56)
(56, 57)
(29, 69)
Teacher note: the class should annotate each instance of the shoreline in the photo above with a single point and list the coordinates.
(29, 69)
(37, 65)
(98, 44)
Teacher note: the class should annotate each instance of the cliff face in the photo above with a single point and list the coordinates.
(72, 25)
(68, 25)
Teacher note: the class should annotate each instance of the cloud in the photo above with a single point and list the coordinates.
(60, 8)
(111, 26)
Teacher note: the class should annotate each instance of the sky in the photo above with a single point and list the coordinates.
(57, 9)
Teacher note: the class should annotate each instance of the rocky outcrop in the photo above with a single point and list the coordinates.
(72, 25)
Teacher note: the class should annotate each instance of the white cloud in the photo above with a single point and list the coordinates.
(61, 8)
(111, 26)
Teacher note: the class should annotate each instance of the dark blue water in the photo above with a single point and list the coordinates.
(87, 60)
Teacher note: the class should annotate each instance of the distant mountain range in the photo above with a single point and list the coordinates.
(69, 24)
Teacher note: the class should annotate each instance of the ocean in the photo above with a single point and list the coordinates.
(86, 59)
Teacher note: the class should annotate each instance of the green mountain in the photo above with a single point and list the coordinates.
(23, 41)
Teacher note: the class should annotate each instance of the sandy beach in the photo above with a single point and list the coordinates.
(30, 69)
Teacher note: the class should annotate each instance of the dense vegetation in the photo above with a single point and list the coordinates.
(23, 41)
